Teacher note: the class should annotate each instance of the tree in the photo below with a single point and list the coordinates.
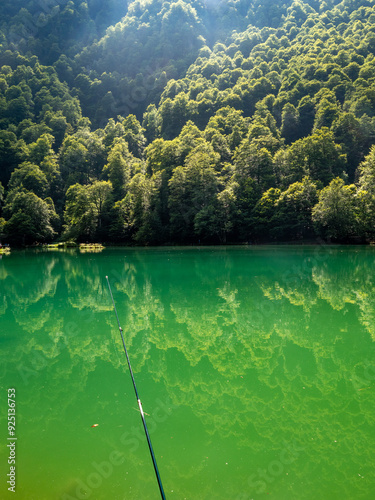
(293, 211)
(366, 195)
(201, 176)
(290, 123)
(254, 161)
(317, 156)
(32, 131)
(73, 160)
(216, 220)
(113, 130)
(151, 123)
(100, 198)
(306, 111)
(58, 125)
(179, 205)
(327, 112)
(193, 189)
(29, 219)
(226, 121)
(1, 196)
(334, 214)
(12, 153)
(180, 28)
(18, 109)
(118, 168)
(96, 151)
(174, 114)
(264, 212)
(167, 155)
(139, 212)
(85, 208)
(162, 155)
(285, 92)
(352, 138)
(29, 177)
(248, 194)
(133, 135)
(41, 148)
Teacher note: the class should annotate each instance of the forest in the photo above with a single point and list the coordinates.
(187, 122)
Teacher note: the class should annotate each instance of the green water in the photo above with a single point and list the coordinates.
(255, 366)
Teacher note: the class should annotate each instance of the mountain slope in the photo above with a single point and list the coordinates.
(188, 120)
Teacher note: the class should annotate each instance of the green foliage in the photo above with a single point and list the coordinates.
(29, 177)
(255, 162)
(366, 195)
(12, 152)
(85, 210)
(193, 195)
(133, 135)
(185, 121)
(263, 213)
(139, 212)
(317, 156)
(216, 220)
(292, 219)
(28, 218)
(118, 168)
(334, 214)
(2, 190)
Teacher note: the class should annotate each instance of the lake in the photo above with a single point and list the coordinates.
(255, 366)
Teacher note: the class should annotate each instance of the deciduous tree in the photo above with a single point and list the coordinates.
(334, 214)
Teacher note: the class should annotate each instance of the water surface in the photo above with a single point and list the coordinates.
(255, 366)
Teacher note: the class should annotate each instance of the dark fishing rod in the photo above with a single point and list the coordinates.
(137, 396)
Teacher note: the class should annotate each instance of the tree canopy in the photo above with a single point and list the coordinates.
(187, 121)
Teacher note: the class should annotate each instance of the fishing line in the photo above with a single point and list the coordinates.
(137, 396)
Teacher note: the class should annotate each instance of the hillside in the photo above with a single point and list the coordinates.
(190, 121)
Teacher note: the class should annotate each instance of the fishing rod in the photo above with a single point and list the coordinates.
(138, 400)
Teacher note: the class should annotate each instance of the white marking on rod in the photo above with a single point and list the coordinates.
(140, 407)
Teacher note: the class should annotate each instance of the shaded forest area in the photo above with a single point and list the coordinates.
(160, 122)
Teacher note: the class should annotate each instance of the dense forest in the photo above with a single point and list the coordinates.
(178, 122)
